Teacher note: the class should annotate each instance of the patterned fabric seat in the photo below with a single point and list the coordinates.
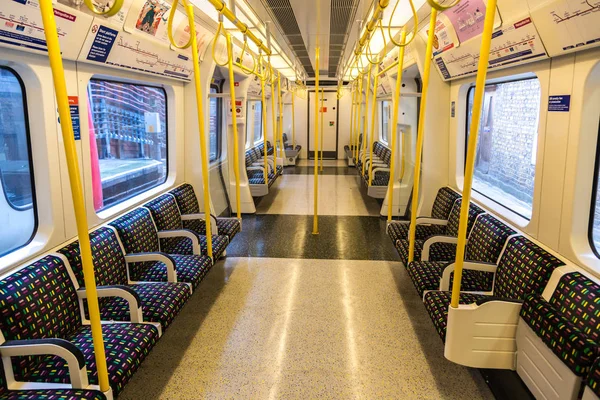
(138, 234)
(40, 302)
(442, 206)
(188, 204)
(256, 176)
(290, 146)
(568, 322)
(486, 240)
(438, 251)
(398, 231)
(160, 301)
(593, 379)
(383, 155)
(523, 268)
(53, 394)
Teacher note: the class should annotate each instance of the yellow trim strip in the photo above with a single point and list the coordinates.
(66, 126)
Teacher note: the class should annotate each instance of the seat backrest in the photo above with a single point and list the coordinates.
(454, 218)
(285, 138)
(165, 212)
(523, 268)
(109, 261)
(577, 298)
(137, 231)
(249, 155)
(386, 155)
(487, 239)
(186, 199)
(443, 202)
(39, 301)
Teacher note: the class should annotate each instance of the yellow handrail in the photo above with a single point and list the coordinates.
(396, 105)
(322, 118)
(273, 120)
(484, 55)
(420, 134)
(372, 133)
(293, 122)
(116, 7)
(377, 59)
(371, 25)
(236, 145)
(315, 230)
(264, 125)
(366, 133)
(359, 118)
(280, 98)
(66, 126)
(352, 105)
(221, 7)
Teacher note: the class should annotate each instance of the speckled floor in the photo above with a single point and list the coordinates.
(303, 329)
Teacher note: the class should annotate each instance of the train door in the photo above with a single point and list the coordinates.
(330, 124)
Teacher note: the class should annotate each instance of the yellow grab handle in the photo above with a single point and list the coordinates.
(200, 115)
(420, 134)
(372, 135)
(170, 26)
(66, 126)
(415, 25)
(116, 7)
(396, 104)
(241, 65)
(439, 7)
(214, 45)
(484, 56)
(236, 147)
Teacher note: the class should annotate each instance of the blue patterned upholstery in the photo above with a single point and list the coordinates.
(523, 268)
(184, 246)
(444, 200)
(486, 240)
(160, 301)
(188, 204)
(40, 301)
(138, 235)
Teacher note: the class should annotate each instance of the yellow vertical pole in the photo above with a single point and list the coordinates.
(274, 119)
(352, 121)
(236, 147)
(322, 118)
(66, 126)
(264, 124)
(358, 117)
(484, 55)
(293, 121)
(280, 97)
(420, 134)
(366, 132)
(200, 115)
(372, 135)
(396, 104)
(316, 176)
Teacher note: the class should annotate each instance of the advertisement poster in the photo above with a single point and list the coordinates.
(467, 17)
(445, 35)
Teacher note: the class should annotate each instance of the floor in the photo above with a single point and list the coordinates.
(291, 315)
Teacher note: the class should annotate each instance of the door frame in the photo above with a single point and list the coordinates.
(327, 155)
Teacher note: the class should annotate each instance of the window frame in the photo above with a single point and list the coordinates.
(594, 197)
(470, 90)
(150, 85)
(255, 142)
(385, 139)
(219, 101)
(31, 166)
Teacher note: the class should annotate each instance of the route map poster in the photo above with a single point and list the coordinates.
(568, 25)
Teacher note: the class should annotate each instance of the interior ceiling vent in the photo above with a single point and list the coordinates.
(342, 13)
(284, 15)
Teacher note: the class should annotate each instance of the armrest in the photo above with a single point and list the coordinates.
(213, 222)
(51, 346)
(128, 294)
(495, 298)
(162, 257)
(380, 169)
(474, 266)
(435, 239)
(182, 233)
(261, 169)
(431, 221)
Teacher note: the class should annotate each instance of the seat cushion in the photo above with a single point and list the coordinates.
(160, 301)
(427, 275)
(227, 226)
(566, 341)
(53, 394)
(437, 303)
(126, 345)
(437, 251)
(190, 269)
(380, 179)
(184, 245)
(397, 231)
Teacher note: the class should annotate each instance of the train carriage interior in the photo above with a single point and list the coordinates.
(269, 199)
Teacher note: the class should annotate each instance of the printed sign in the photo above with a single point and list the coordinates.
(323, 109)
(74, 107)
(445, 36)
(559, 103)
(331, 123)
(467, 17)
(453, 109)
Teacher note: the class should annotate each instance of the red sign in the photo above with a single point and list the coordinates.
(323, 109)
(73, 100)
(236, 84)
